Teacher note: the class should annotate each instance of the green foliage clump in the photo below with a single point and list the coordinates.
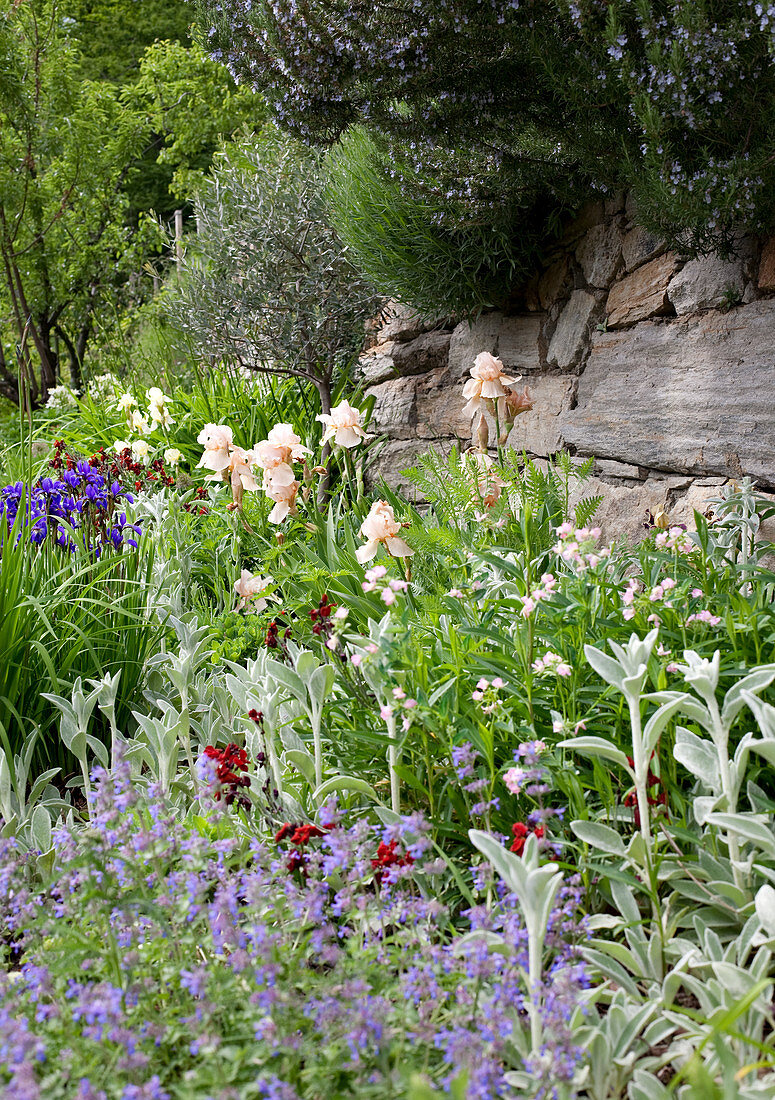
(412, 246)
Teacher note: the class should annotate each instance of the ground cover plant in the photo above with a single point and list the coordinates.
(458, 800)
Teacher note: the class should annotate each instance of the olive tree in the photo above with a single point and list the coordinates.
(266, 284)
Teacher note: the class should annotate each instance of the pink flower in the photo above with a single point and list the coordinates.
(217, 441)
(628, 613)
(528, 606)
(455, 593)
(704, 616)
(388, 596)
(563, 669)
(668, 583)
(498, 683)
(381, 526)
(696, 592)
(356, 660)
(371, 648)
(483, 684)
(343, 424)
(385, 712)
(514, 778)
(248, 588)
(486, 384)
(477, 696)
(410, 704)
(399, 693)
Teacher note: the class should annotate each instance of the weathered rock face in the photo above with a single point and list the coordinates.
(684, 396)
(662, 368)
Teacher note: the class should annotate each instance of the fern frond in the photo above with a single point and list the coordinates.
(586, 508)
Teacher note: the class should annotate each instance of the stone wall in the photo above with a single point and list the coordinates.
(663, 368)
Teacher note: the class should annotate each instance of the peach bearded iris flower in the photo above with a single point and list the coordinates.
(284, 497)
(274, 455)
(381, 526)
(487, 384)
(217, 441)
(343, 424)
(250, 589)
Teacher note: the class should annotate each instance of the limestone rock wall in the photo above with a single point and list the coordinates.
(663, 368)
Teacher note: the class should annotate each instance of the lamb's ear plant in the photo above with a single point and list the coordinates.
(626, 671)
(709, 758)
(105, 691)
(180, 670)
(28, 804)
(76, 714)
(535, 886)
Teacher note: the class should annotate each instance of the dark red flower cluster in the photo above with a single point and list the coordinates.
(230, 761)
(656, 795)
(192, 506)
(120, 468)
(387, 856)
(321, 617)
(274, 640)
(521, 832)
(299, 836)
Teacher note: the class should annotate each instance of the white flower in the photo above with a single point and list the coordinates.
(250, 588)
(172, 456)
(160, 415)
(140, 450)
(486, 384)
(156, 397)
(61, 398)
(139, 423)
(122, 445)
(381, 526)
(125, 403)
(158, 410)
(343, 424)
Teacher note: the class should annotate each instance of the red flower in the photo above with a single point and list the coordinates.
(299, 836)
(230, 761)
(388, 857)
(520, 832)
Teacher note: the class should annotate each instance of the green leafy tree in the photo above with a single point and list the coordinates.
(70, 244)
